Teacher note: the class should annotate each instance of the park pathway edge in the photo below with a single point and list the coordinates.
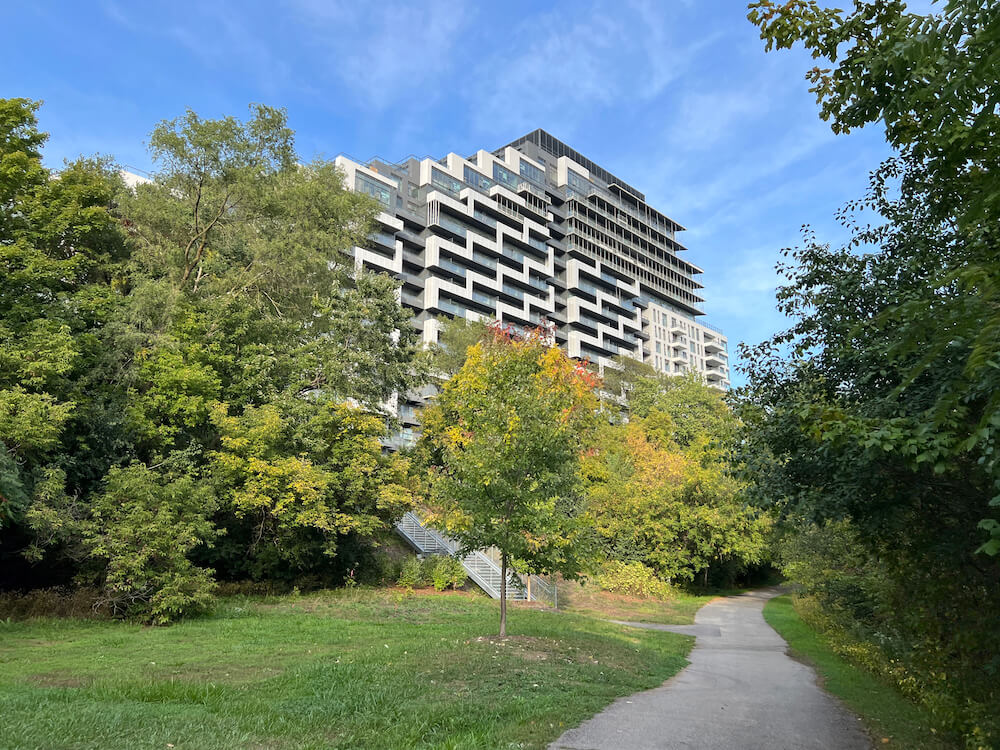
(741, 691)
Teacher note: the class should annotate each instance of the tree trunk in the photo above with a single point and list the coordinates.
(503, 595)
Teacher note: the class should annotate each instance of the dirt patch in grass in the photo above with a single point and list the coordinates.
(528, 647)
(59, 679)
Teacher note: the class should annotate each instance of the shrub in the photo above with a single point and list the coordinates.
(634, 579)
(381, 569)
(448, 571)
(411, 575)
(143, 527)
(427, 566)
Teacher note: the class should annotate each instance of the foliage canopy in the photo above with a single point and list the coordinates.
(880, 406)
(504, 439)
(191, 371)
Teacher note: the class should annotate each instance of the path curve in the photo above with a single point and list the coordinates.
(741, 692)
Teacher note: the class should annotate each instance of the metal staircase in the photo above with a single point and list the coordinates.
(480, 565)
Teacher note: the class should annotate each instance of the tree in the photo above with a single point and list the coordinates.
(252, 330)
(144, 525)
(60, 252)
(455, 337)
(195, 357)
(880, 406)
(505, 437)
(660, 489)
(920, 318)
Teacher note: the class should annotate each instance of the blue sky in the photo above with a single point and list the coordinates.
(677, 98)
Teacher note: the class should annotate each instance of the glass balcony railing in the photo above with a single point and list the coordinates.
(485, 217)
(538, 283)
(538, 244)
(450, 265)
(513, 291)
(512, 252)
(484, 260)
(484, 299)
(452, 225)
(448, 306)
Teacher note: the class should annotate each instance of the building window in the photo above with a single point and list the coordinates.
(476, 180)
(376, 190)
(505, 176)
(446, 182)
(578, 182)
(531, 172)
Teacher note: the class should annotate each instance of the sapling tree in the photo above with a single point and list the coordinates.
(504, 440)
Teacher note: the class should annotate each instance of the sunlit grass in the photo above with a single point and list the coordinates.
(591, 601)
(363, 668)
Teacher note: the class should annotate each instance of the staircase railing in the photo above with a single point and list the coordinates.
(481, 568)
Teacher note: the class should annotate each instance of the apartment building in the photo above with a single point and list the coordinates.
(536, 234)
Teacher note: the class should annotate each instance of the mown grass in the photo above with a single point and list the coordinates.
(890, 718)
(592, 602)
(345, 669)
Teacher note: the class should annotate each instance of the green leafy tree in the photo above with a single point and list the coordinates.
(454, 339)
(505, 437)
(300, 478)
(60, 253)
(252, 329)
(660, 488)
(207, 331)
(879, 406)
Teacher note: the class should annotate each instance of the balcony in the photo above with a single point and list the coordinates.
(451, 267)
(538, 283)
(446, 305)
(453, 227)
(486, 301)
(715, 360)
(527, 187)
(484, 260)
(512, 291)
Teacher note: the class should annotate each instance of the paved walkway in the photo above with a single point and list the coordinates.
(741, 691)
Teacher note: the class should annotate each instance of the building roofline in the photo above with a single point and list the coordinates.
(548, 142)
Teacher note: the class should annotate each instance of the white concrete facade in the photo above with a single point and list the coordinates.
(535, 234)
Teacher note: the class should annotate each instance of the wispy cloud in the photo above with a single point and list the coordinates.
(219, 36)
(383, 51)
(570, 67)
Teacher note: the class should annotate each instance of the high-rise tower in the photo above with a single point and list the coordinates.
(536, 233)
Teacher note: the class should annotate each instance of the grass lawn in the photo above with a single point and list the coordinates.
(592, 602)
(354, 668)
(886, 713)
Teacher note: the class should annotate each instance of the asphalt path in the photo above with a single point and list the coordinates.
(741, 691)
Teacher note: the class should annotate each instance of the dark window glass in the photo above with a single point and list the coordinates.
(476, 180)
(531, 172)
(445, 182)
(376, 190)
(505, 176)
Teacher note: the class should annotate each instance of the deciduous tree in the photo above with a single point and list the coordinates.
(505, 437)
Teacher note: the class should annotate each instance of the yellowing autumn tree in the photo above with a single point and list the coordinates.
(659, 491)
(504, 440)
